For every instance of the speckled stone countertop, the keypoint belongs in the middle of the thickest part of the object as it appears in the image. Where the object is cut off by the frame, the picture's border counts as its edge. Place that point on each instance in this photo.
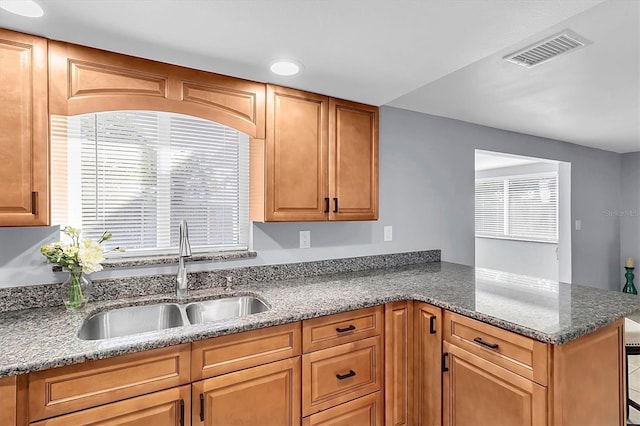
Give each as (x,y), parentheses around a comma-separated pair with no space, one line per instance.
(37,339)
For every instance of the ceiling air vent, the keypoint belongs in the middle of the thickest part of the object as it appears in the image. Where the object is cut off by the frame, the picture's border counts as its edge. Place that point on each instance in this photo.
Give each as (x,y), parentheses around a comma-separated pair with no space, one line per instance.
(547,49)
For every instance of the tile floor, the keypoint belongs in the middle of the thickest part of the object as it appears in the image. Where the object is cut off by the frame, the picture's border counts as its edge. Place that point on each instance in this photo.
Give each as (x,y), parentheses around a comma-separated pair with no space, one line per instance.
(634,386)
(634,380)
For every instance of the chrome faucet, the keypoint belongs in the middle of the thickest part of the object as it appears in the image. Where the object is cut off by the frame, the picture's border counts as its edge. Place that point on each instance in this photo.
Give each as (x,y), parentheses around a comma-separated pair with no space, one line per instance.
(184,251)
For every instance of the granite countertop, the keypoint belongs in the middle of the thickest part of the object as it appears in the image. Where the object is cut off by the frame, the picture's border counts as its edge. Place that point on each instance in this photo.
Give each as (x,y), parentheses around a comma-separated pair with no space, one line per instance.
(37,339)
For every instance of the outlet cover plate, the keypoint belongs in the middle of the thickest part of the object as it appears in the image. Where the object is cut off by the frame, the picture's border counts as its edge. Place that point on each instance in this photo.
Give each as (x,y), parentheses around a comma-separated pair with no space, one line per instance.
(388,233)
(305,239)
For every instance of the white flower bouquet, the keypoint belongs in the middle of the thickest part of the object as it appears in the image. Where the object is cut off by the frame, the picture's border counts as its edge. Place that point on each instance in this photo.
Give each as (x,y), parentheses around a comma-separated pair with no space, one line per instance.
(79,257)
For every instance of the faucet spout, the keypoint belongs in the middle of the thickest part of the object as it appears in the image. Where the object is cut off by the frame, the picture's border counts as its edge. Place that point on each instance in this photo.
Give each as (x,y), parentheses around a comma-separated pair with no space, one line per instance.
(183,252)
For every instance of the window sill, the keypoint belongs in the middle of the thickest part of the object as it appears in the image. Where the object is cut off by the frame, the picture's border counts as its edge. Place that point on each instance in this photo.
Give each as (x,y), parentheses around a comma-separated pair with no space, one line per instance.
(172,259)
(524,240)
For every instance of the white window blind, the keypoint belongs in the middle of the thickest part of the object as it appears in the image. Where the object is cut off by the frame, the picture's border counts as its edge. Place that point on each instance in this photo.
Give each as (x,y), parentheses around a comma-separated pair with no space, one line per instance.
(518,207)
(137,173)
(490,208)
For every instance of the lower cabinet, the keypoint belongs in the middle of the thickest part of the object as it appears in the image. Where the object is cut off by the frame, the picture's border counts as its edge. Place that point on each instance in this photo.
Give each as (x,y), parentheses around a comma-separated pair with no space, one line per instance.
(165,408)
(493,376)
(365,411)
(264,395)
(343,368)
(478,392)
(74,388)
(405,363)
(399,371)
(13,407)
(427,373)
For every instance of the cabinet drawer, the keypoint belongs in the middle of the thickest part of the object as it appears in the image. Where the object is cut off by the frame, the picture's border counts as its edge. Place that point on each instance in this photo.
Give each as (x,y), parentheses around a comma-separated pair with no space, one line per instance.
(342,373)
(225,354)
(75,387)
(364,411)
(332,330)
(520,354)
(164,408)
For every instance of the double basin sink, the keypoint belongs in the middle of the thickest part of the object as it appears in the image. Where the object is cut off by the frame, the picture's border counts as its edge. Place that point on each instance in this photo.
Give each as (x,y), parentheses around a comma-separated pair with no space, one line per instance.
(141,319)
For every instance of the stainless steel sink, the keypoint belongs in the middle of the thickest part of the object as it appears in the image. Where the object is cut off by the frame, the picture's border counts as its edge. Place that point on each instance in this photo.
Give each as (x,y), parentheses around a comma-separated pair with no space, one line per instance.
(225,308)
(132,320)
(140,319)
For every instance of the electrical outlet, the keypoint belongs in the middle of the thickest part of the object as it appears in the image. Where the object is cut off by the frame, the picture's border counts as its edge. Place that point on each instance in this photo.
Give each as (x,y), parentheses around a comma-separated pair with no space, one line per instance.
(578,224)
(305,239)
(388,233)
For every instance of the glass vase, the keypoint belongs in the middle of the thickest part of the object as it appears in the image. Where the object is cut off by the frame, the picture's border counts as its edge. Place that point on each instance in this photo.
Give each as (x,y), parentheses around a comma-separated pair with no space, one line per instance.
(76,290)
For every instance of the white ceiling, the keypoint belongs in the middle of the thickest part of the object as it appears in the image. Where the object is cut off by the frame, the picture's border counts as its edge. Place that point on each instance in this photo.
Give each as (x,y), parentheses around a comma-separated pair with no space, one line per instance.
(441,57)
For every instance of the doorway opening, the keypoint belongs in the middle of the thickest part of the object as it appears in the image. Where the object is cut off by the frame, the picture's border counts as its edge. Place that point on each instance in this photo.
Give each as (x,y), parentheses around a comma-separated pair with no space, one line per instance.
(523,215)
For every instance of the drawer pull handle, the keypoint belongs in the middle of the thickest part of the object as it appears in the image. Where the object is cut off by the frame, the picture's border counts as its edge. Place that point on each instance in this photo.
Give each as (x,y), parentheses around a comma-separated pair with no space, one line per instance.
(34,203)
(486,344)
(432,325)
(326,205)
(202,407)
(335,208)
(344,330)
(351,373)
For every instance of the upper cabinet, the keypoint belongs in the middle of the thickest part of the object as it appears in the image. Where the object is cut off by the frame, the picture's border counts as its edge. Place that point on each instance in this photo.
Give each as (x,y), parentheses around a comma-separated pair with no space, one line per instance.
(85,80)
(24,123)
(319,160)
(353,160)
(313,158)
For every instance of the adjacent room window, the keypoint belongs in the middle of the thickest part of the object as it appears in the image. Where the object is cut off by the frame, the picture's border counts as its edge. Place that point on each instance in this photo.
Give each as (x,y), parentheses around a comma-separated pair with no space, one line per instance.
(518,207)
(137,173)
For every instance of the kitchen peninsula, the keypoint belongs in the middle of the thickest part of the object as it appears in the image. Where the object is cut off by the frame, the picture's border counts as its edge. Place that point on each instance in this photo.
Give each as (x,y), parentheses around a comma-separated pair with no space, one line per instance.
(533,334)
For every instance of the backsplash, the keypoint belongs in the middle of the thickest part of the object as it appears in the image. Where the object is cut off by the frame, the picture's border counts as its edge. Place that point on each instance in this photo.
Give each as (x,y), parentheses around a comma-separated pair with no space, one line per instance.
(38,296)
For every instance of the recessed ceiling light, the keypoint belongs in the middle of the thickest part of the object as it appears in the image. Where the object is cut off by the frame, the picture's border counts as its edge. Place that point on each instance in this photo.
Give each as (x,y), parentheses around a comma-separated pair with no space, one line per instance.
(27,8)
(285,67)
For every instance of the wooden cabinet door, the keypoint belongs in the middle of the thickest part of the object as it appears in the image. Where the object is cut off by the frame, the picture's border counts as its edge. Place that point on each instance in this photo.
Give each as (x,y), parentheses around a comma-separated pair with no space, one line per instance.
(165,408)
(13,405)
(364,411)
(265,395)
(427,368)
(478,392)
(353,161)
(296,155)
(24,122)
(398,363)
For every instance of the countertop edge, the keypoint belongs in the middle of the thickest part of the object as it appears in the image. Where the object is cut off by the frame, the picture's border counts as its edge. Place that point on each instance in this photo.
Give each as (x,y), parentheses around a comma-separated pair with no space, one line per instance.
(152,340)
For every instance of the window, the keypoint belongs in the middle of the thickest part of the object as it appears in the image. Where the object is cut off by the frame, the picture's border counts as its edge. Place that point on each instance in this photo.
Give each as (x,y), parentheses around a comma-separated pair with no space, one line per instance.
(518,207)
(137,173)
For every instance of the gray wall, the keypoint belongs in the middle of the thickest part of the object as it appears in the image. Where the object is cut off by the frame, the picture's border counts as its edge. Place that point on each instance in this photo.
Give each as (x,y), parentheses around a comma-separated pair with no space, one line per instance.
(630,210)
(446,150)
(426,194)
(520,257)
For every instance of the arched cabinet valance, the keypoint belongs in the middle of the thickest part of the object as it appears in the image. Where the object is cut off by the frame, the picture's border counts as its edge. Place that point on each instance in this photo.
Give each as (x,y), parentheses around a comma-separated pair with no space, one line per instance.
(84,80)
